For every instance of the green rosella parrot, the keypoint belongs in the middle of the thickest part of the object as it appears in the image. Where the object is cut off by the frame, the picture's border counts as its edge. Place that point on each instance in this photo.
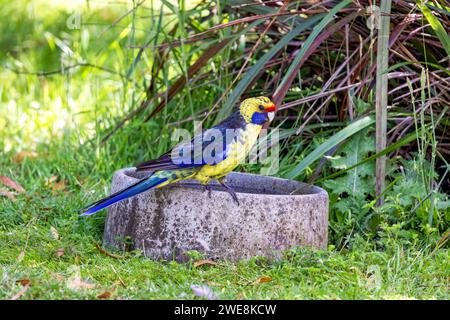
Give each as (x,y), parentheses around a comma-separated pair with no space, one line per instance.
(179,164)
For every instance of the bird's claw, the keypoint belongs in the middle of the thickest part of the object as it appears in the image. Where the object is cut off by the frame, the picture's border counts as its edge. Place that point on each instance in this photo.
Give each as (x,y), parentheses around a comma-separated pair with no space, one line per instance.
(208,187)
(234,196)
(230,191)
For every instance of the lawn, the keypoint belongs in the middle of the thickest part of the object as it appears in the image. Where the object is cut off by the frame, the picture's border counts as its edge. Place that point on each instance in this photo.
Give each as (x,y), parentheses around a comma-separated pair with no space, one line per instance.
(53,122)
(44,242)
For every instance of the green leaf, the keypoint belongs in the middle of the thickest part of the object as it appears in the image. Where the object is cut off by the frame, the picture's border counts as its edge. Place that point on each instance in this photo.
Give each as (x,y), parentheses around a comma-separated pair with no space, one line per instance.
(406,140)
(355,182)
(340,136)
(360,145)
(437,27)
(421,63)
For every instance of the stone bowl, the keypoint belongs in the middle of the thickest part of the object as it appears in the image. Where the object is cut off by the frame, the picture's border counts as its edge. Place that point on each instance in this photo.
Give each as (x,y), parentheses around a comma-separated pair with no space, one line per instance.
(273,215)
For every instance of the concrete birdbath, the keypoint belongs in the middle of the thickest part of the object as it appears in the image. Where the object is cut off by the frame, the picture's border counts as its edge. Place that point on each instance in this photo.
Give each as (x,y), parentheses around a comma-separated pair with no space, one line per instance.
(273,214)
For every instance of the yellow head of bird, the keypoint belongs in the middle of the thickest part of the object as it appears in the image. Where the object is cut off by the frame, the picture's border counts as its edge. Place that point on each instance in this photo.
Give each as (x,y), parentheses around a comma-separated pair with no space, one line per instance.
(257,110)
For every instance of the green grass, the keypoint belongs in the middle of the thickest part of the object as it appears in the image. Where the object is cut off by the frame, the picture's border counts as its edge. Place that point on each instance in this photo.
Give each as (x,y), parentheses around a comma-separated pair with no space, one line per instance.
(364,272)
(303,274)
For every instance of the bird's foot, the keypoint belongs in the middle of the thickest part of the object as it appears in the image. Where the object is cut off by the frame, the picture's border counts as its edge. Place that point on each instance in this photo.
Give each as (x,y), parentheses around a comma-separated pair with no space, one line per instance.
(229,190)
(208,187)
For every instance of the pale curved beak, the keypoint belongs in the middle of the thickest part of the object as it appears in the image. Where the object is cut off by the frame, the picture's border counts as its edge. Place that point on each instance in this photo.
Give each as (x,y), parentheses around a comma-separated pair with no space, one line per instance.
(271,115)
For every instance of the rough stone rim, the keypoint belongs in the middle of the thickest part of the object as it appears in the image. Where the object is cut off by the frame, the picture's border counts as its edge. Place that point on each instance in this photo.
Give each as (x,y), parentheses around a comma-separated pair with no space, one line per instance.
(313,191)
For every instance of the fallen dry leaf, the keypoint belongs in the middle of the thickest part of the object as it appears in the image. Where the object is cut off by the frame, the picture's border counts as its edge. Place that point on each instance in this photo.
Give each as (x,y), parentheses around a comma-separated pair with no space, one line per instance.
(61,185)
(203,262)
(54,233)
(19,157)
(8,194)
(55,186)
(50,181)
(105,295)
(11,184)
(240,296)
(59,277)
(24,282)
(263,279)
(60,252)
(77,284)
(21,256)
(21,292)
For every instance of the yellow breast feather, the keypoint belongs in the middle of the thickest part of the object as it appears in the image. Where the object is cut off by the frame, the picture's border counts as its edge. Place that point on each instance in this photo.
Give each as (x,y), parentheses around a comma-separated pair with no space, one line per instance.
(236,154)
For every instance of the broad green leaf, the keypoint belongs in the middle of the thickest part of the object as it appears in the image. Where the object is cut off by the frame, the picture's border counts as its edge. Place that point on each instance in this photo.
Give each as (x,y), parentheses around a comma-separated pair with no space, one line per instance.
(397,145)
(330,143)
(360,145)
(356,182)
(410,187)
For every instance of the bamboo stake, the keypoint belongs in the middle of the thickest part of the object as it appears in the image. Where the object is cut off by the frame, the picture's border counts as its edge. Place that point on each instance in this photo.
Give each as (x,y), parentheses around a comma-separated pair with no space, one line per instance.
(381,96)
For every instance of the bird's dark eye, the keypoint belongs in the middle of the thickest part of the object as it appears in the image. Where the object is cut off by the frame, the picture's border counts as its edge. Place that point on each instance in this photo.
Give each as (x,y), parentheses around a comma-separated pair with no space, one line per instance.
(261,107)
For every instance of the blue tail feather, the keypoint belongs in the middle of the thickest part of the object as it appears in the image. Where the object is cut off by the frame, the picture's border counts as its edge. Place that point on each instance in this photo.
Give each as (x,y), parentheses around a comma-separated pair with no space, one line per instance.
(139,187)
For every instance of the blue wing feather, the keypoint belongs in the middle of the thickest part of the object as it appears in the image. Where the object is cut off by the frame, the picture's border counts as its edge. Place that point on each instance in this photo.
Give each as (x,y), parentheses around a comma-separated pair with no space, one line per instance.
(184,156)
(139,187)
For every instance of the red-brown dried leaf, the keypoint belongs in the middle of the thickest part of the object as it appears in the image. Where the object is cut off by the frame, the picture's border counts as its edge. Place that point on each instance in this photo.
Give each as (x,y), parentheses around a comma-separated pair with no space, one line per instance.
(105,295)
(24,282)
(11,184)
(264,279)
(60,185)
(54,185)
